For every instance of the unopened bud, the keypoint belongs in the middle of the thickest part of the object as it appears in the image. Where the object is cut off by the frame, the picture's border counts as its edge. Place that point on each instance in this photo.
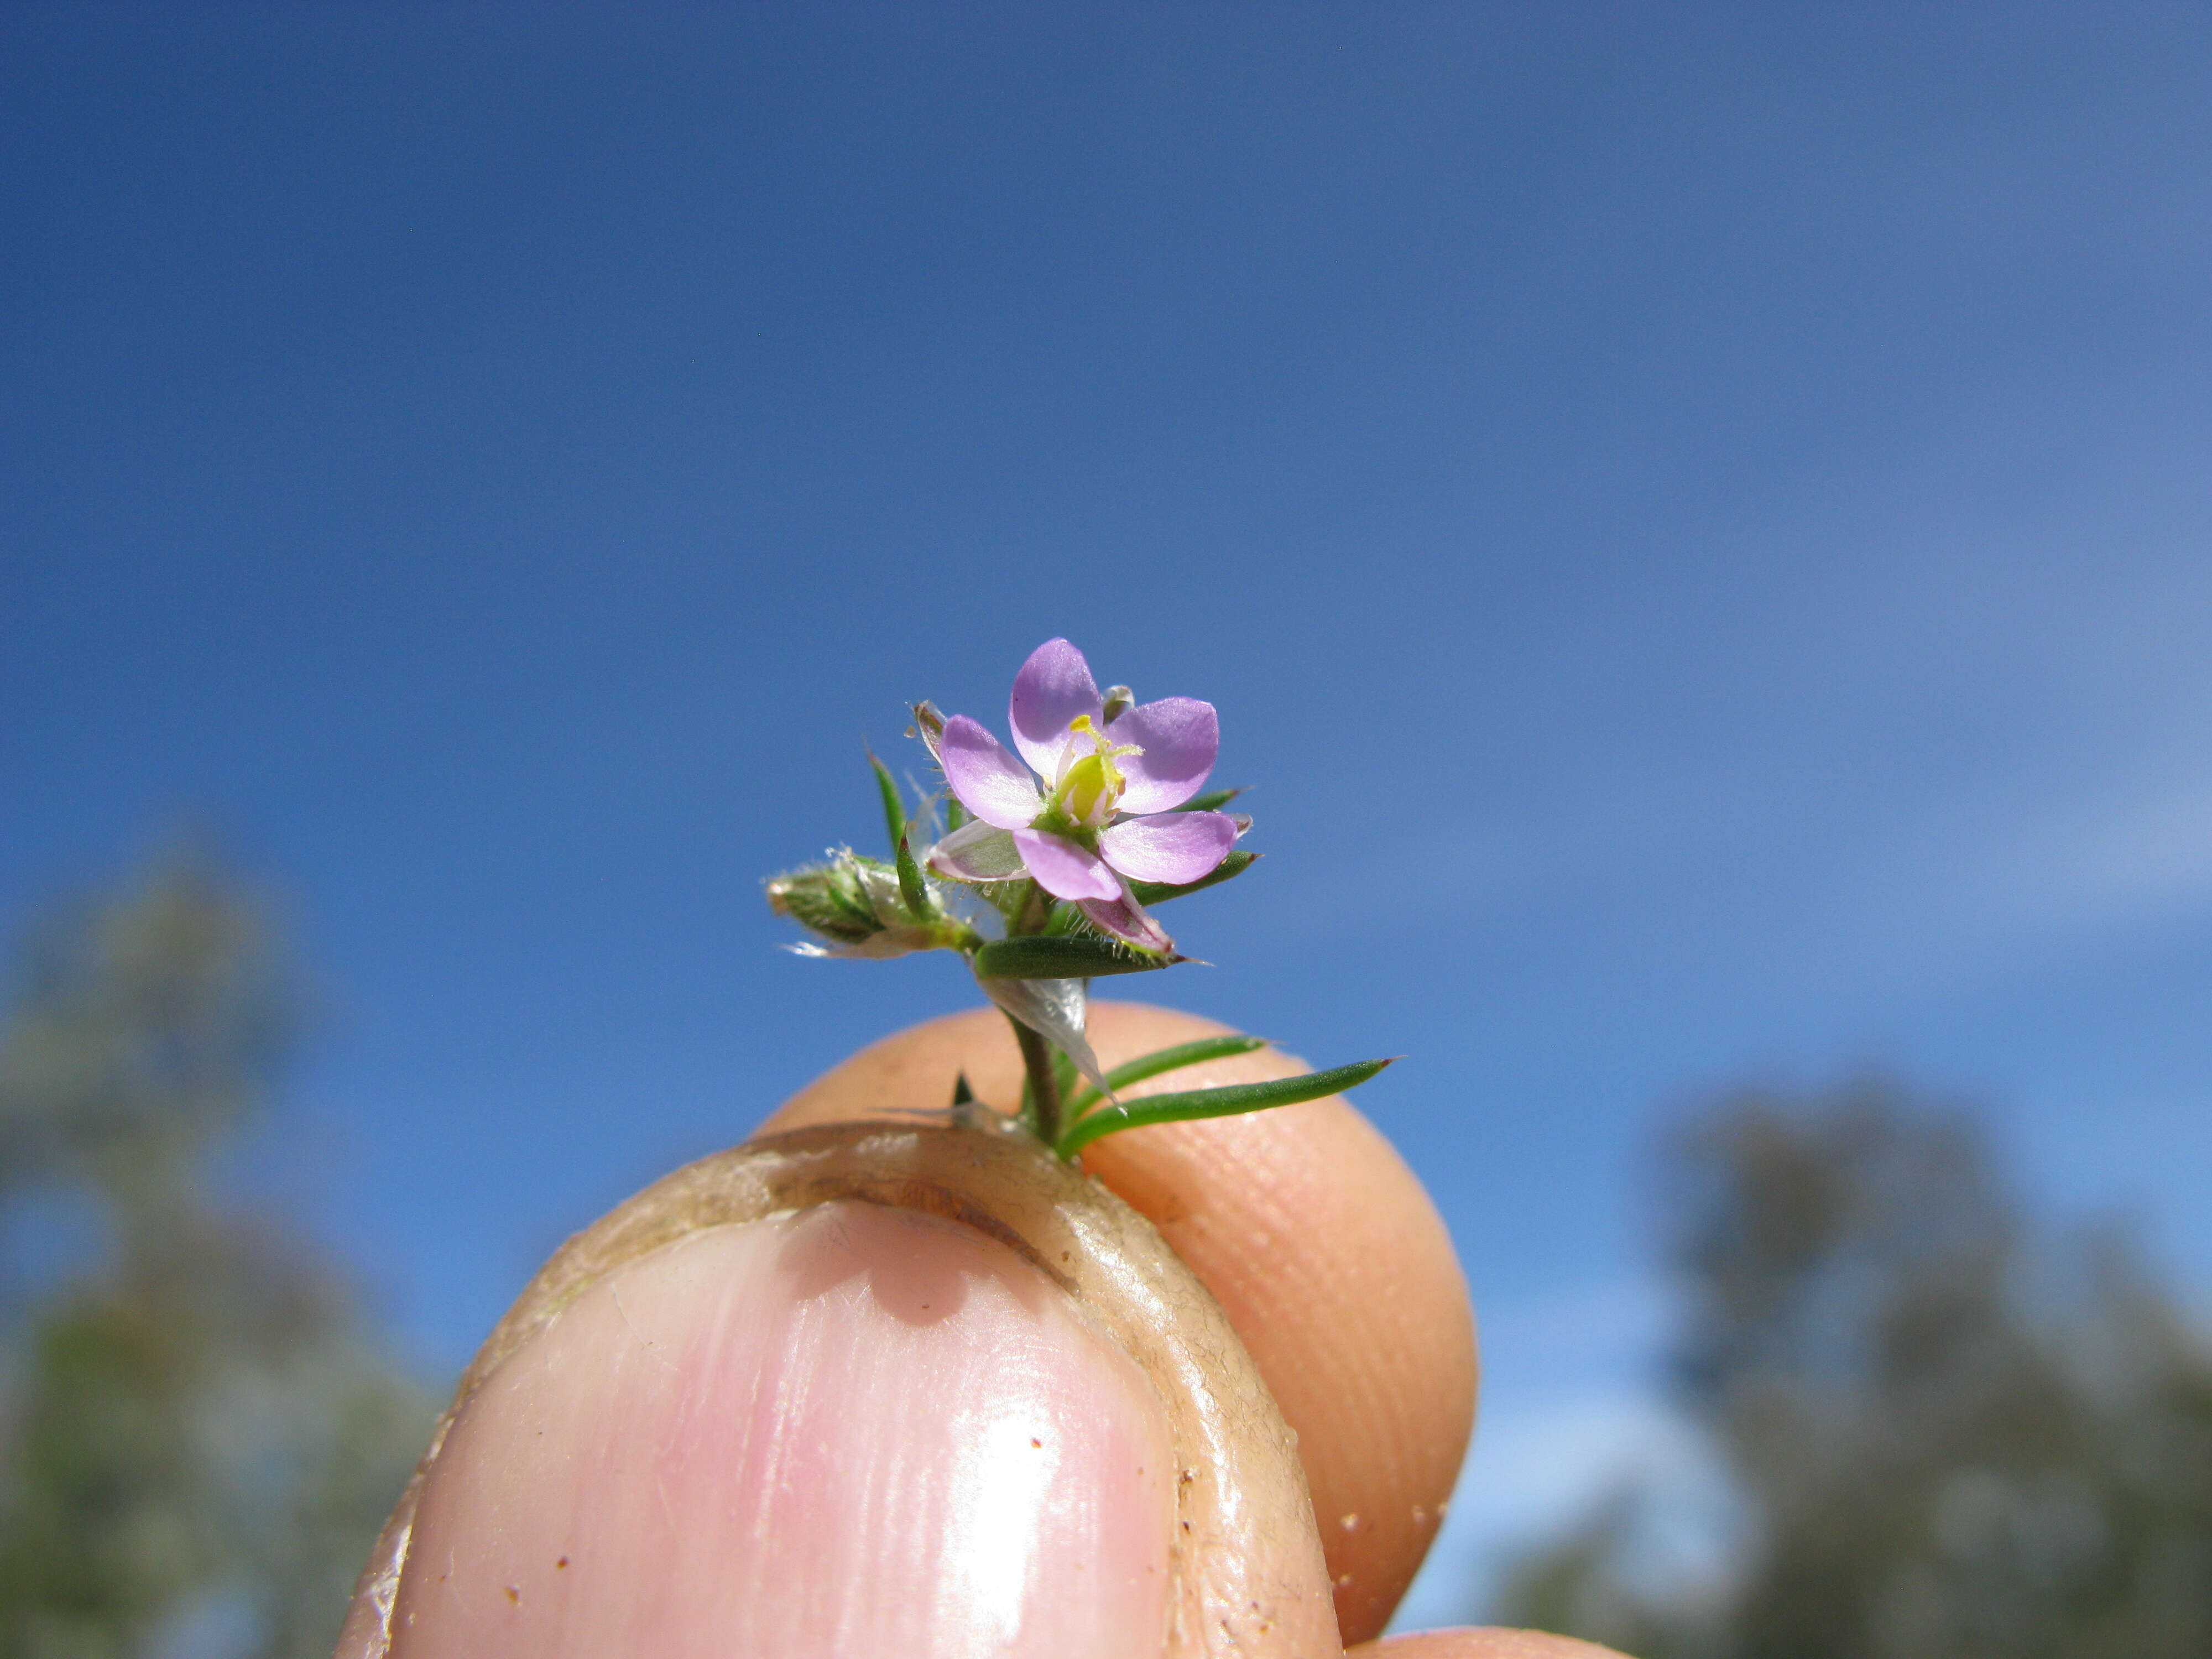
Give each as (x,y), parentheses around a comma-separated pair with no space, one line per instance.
(829,899)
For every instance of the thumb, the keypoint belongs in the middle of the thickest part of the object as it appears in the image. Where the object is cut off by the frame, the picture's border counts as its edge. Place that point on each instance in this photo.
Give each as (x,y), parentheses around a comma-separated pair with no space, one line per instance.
(855,1430)
(852,1427)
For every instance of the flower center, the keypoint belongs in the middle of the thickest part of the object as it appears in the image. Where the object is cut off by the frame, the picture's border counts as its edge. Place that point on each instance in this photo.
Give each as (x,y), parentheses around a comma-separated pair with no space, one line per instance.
(1090,785)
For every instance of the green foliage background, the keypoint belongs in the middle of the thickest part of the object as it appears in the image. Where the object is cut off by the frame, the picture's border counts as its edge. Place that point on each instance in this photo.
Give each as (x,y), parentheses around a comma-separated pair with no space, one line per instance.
(1949,1436)
(204,1427)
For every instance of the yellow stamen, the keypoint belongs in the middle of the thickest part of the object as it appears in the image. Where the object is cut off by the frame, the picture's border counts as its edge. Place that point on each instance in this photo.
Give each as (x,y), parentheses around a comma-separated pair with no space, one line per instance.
(1090,786)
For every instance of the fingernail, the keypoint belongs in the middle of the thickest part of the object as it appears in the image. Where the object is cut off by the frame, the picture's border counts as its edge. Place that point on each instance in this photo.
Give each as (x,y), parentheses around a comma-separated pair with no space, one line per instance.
(849,1430)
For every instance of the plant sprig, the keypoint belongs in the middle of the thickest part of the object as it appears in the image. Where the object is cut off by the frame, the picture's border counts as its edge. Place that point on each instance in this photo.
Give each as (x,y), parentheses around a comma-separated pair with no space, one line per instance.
(1044,880)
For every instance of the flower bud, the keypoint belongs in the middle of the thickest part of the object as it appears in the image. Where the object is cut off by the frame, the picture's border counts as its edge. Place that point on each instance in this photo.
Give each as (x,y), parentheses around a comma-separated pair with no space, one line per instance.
(830,899)
(856,904)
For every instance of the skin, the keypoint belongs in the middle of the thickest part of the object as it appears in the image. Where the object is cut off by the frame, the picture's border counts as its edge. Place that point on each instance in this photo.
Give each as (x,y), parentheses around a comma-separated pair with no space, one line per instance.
(1323,1252)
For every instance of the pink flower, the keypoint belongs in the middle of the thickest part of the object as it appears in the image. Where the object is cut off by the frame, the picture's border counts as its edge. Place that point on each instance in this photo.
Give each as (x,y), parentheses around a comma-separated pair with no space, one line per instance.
(1103,818)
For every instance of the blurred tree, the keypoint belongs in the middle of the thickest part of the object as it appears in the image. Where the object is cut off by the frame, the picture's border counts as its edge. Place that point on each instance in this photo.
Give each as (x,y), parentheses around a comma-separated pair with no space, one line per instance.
(203,1431)
(1947,1440)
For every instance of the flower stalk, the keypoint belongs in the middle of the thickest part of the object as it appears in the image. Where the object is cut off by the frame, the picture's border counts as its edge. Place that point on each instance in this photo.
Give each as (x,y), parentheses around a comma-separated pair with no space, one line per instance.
(1041,1111)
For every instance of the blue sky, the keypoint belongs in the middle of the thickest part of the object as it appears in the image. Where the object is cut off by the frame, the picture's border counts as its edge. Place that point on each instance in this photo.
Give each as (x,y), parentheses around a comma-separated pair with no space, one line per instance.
(1697,523)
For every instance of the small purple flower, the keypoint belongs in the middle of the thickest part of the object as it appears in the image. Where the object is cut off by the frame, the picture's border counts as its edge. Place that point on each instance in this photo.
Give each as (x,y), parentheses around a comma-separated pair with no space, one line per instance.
(1103,818)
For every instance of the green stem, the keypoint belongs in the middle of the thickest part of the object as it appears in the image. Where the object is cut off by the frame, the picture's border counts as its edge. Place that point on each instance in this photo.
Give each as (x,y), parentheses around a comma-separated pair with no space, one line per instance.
(1034,912)
(1029,917)
(1045,1087)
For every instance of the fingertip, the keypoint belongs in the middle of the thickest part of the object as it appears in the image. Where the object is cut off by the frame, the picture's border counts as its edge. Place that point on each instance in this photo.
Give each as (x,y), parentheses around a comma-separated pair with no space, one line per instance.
(1336,1269)
(1318,1241)
(1483,1644)
(780,1437)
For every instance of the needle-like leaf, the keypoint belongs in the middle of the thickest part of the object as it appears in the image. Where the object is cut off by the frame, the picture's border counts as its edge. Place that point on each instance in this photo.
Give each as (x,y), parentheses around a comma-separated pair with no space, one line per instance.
(1075,955)
(1212,1102)
(1212,801)
(1157,892)
(1167,1060)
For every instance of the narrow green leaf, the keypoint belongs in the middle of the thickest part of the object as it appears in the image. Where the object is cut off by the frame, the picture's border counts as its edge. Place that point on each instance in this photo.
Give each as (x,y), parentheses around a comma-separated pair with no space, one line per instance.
(912,888)
(1212,1103)
(894,809)
(1212,801)
(1155,892)
(961,1094)
(1039,956)
(1167,1060)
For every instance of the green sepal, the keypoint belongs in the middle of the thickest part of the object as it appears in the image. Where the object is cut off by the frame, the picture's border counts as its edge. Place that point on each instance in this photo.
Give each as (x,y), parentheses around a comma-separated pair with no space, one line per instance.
(1062,921)
(1074,955)
(1158,892)
(1166,1059)
(1212,801)
(894,809)
(1021,901)
(912,888)
(1212,1102)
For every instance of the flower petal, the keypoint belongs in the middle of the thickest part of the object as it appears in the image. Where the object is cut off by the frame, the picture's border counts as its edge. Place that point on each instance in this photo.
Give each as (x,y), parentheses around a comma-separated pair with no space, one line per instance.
(1181,738)
(990,782)
(1063,869)
(979,852)
(1054,686)
(1124,919)
(1169,846)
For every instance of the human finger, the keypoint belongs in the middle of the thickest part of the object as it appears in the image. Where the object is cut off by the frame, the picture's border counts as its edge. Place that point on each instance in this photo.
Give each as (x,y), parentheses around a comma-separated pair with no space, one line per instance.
(1480,1644)
(916,1391)
(1329,1258)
